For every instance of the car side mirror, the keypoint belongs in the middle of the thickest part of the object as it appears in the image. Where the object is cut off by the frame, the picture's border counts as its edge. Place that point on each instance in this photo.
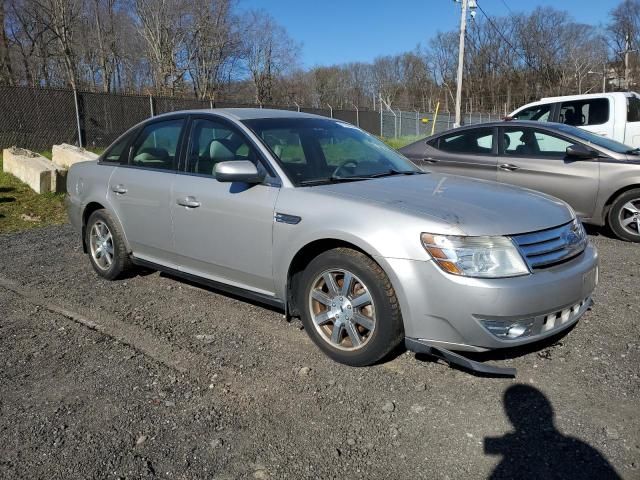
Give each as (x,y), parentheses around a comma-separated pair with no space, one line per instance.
(238,171)
(580,152)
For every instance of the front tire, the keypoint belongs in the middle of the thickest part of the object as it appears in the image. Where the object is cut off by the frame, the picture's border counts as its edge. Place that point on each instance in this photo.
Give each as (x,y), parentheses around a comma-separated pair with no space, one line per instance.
(349,307)
(624,216)
(106,246)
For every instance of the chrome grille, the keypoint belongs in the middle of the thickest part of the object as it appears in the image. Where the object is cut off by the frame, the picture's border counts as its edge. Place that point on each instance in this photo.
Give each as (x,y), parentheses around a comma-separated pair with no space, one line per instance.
(549,247)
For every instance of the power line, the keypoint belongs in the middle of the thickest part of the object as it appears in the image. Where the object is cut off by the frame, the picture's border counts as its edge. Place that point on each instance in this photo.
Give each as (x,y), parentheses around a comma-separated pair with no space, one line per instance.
(508,7)
(515,50)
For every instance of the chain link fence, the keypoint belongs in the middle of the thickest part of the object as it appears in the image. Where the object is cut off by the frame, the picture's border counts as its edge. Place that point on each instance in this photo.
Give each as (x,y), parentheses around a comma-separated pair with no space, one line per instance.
(37,118)
(398,123)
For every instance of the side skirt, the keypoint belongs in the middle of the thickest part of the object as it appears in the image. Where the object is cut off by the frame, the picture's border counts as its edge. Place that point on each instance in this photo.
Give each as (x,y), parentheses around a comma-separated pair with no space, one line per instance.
(223,287)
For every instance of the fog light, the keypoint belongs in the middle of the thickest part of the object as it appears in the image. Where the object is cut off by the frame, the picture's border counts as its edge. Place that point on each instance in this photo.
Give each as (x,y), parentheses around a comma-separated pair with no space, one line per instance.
(509,329)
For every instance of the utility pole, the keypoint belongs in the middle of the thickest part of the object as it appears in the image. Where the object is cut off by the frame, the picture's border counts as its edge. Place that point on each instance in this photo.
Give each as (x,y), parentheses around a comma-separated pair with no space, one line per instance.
(627,50)
(471,4)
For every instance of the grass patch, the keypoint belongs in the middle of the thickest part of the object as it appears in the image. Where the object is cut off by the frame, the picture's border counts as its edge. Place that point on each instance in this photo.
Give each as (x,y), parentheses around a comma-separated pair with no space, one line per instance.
(21,208)
(400,142)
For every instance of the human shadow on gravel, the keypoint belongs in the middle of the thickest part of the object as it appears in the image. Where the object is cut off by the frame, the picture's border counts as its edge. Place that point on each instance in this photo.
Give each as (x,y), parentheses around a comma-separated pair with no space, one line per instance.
(536,449)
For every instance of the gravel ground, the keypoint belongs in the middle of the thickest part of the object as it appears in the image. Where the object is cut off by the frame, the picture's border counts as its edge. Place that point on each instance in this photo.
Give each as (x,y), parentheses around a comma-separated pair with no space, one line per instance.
(152,377)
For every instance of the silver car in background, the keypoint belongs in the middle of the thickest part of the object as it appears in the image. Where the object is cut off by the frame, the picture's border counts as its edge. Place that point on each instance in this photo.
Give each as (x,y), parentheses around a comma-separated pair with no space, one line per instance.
(597,176)
(321,219)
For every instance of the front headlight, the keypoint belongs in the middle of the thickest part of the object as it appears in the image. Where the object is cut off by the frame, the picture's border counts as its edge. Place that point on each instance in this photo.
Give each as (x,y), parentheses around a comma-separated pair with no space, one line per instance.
(487,257)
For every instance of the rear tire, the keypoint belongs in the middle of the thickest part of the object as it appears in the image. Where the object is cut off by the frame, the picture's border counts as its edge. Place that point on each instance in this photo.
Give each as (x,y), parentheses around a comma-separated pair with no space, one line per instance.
(349,307)
(624,216)
(106,246)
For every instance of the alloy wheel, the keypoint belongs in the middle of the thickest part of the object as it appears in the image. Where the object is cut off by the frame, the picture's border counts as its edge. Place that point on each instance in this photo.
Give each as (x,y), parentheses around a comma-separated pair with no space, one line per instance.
(342,309)
(101,245)
(629,217)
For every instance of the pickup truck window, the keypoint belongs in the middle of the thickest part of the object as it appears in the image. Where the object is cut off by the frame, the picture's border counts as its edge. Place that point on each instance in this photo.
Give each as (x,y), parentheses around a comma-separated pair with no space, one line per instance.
(539,113)
(594,111)
(633,109)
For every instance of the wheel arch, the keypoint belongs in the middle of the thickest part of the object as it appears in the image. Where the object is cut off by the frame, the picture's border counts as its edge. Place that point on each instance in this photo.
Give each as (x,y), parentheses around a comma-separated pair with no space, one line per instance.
(612,198)
(91,207)
(308,252)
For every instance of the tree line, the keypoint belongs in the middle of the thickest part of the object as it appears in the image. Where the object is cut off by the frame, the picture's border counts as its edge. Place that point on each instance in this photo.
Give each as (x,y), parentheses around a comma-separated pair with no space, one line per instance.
(215,50)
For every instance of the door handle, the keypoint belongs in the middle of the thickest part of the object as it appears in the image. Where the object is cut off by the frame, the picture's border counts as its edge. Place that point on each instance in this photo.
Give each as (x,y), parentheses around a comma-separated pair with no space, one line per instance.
(189,202)
(508,167)
(119,189)
(430,160)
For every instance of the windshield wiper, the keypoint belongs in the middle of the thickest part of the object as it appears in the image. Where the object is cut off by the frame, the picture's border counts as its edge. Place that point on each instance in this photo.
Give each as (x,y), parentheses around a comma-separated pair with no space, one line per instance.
(634,151)
(356,178)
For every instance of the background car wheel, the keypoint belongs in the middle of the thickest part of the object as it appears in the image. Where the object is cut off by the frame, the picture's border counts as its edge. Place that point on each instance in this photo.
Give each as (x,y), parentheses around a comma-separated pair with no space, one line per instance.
(106,246)
(349,308)
(624,216)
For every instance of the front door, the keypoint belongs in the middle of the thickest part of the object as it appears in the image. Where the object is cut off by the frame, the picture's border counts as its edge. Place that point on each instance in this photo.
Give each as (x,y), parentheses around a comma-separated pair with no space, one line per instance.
(536,159)
(140,190)
(223,231)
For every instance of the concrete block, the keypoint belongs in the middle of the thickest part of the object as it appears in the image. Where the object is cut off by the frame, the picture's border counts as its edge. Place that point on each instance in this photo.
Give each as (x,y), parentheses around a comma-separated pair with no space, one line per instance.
(35,170)
(65,155)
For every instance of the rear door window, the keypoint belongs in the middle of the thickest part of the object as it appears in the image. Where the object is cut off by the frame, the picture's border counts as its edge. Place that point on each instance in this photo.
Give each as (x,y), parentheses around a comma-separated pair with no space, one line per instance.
(633,109)
(474,142)
(578,113)
(157,145)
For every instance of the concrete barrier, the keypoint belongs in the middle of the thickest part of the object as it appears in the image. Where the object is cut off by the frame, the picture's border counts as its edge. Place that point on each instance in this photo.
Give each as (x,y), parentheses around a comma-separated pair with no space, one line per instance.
(35,170)
(65,155)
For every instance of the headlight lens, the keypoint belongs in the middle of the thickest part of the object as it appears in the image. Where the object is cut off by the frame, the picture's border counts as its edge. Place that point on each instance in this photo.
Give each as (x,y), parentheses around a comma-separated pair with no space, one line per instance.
(486,257)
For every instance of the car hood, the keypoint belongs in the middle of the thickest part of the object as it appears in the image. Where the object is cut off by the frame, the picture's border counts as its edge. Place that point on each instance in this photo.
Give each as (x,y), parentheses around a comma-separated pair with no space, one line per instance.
(472,206)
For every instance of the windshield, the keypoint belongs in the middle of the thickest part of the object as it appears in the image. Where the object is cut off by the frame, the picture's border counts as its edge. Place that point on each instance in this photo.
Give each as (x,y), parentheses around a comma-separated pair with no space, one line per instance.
(316,151)
(596,140)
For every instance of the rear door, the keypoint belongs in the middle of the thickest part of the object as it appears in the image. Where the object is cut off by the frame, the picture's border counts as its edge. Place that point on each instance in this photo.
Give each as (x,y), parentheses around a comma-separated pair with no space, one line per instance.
(536,159)
(140,190)
(593,114)
(469,152)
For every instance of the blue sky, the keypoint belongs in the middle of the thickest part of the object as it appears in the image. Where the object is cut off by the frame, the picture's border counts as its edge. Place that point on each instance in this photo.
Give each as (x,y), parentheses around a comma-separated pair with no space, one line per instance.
(338,31)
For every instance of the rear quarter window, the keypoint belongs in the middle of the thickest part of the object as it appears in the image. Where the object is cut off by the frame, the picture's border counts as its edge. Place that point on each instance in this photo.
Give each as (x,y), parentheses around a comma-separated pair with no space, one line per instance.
(633,109)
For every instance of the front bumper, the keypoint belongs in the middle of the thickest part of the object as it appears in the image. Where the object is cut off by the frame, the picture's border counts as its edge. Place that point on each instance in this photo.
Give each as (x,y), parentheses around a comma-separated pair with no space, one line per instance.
(453,312)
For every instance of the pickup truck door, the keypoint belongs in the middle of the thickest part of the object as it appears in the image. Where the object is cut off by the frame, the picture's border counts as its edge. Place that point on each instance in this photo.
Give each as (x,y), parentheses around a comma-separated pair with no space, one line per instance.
(536,159)
(597,115)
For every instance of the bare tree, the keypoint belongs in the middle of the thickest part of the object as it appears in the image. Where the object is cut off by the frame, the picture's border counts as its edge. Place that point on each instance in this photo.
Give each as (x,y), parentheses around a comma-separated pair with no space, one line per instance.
(268,52)
(211,42)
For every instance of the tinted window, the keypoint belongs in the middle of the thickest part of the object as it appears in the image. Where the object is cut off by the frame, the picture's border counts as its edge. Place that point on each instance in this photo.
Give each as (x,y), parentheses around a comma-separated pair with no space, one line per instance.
(633,109)
(539,113)
(313,151)
(213,142)
(585,112)
(476,141)
(157,145)
(534,143)
(115,153)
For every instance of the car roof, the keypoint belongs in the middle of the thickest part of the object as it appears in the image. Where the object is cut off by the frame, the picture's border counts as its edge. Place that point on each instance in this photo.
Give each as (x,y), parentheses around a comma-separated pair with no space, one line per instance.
(501,123)
(247,113)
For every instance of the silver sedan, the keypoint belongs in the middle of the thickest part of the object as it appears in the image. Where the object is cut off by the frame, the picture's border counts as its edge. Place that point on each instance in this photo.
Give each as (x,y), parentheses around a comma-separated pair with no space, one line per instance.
(321,219)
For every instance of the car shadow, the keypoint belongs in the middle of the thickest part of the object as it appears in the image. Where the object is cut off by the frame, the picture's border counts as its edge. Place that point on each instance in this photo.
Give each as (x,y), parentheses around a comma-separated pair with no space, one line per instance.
(596,231)
(535,449)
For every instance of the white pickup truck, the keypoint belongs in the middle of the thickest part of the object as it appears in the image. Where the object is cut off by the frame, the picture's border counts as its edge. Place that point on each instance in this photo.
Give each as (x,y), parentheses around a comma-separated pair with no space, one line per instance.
(614,115)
